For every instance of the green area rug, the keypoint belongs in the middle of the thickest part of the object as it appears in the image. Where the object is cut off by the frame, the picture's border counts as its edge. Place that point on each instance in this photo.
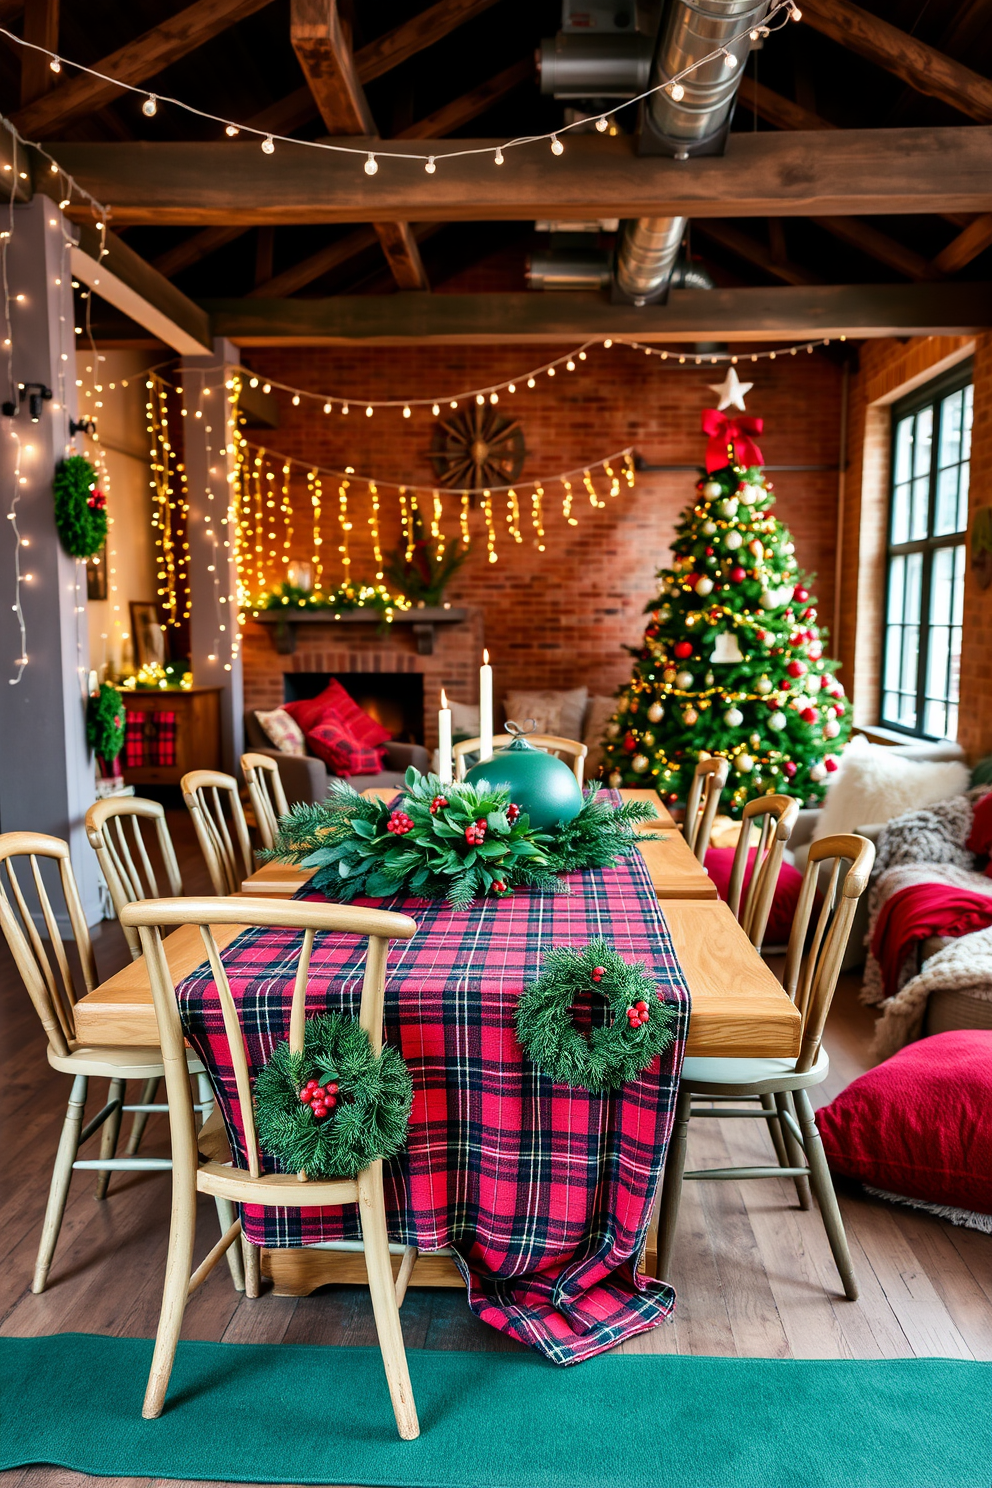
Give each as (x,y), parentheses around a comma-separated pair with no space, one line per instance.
(304,1414)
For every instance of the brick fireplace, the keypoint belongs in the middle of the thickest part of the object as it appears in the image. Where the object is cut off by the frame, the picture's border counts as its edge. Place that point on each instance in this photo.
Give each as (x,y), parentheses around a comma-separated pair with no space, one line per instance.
(334,649)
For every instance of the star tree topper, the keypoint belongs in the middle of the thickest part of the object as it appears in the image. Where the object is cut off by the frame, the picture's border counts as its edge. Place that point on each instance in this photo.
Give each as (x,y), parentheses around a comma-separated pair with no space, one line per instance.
(731,391)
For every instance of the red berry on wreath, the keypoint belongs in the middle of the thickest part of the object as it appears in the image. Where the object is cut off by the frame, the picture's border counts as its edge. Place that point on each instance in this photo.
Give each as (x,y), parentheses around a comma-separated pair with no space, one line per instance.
(438,804)
(683,649)
(598,973)
(306,1096)
(641,1007)
(499,887)
(331,1087)
(512,812)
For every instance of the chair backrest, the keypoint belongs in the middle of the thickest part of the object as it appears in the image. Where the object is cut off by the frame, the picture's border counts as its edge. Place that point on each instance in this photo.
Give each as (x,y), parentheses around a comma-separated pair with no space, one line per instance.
(572,751)
(776,816)
(708,780)
(46,973)
(265,789)
(152,916)
(228,861)
(811,979)
(127,867)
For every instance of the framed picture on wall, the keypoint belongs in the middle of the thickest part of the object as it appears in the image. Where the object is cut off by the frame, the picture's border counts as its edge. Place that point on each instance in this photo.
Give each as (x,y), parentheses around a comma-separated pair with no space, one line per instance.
(147,634)
(96,575)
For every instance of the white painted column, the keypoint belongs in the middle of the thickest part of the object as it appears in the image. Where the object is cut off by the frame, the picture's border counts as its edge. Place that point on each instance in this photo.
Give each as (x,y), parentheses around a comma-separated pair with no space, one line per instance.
(215,653)
(46,770)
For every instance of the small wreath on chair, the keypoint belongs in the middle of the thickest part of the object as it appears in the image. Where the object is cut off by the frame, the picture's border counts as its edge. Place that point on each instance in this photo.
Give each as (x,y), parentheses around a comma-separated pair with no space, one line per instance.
(611,1056)
(80,508)
(338,1106)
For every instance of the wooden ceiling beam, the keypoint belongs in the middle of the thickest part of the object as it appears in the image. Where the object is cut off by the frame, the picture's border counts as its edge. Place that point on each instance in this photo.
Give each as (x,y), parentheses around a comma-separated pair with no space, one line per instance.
(879,245)
(960,251)
(133,63)
(421,31)
(847,172)
(322,43)
(750,314)
(470,105)
(922,66)
(41,28)
(125,280)
(753,252)
(191,250)
(327,259)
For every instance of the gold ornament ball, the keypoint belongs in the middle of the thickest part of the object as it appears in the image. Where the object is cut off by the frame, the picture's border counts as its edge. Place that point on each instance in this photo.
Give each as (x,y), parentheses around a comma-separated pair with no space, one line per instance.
(729,507)
(708,680)
(615,778)
(656,713)
(640,763)
(733,717)
(704,586)
(623,705)
(668,675)
(683,680)
(689,717)
(755,741)
(612,730)
(709,528)
(743,764)
(763,685)
(711,489)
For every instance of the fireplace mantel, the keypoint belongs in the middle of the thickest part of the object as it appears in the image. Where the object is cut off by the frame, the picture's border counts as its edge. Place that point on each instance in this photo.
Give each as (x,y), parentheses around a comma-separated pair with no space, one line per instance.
(285,623)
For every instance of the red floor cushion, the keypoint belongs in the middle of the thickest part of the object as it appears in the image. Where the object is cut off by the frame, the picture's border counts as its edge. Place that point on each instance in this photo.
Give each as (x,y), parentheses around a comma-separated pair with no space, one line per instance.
(920,1124)
(332,741)
(308,712)
(720,861)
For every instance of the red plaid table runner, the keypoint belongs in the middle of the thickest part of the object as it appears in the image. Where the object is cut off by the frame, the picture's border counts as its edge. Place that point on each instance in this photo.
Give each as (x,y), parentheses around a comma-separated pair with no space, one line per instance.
(543,1192)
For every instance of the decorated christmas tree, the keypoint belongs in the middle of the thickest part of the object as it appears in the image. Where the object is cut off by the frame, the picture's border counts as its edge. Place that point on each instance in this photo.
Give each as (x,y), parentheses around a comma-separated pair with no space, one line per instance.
(732,658)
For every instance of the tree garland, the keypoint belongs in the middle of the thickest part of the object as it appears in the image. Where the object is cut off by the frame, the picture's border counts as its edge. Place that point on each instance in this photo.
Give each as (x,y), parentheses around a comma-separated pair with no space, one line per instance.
(451,841)
(611,1056)
(363,1117)
(105,722)
(80,508)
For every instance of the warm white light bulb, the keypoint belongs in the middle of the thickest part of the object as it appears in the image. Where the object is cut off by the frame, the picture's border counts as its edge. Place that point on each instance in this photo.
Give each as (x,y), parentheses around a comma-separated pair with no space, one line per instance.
(511,387)
(268,145)
(677,91)
(327,407)
(371,165)
(494,397)
(797,14)
(480,398)
(231,130)
(557,148)
(498,157)
(344,408)
(602,124)
(406,412)
(436,410)
(150,106)
(55,65)
(296,400)
(369,411)
(729,60)
(453,403)
(430,167)
(531,382)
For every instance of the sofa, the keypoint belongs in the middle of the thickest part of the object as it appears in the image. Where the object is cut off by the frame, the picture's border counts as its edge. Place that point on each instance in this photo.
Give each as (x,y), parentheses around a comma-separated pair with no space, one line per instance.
(307,778)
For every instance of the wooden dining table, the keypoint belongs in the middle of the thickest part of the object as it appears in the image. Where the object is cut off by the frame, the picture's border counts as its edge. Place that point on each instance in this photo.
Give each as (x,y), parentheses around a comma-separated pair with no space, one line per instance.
(739,1010)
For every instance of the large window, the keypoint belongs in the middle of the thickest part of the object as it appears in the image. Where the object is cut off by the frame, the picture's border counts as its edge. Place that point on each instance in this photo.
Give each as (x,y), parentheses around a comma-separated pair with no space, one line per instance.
(931,449)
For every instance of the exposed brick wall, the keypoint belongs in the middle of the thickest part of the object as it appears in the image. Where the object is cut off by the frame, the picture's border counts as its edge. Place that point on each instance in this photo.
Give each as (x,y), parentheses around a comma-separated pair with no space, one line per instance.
(558,618)
(890,369)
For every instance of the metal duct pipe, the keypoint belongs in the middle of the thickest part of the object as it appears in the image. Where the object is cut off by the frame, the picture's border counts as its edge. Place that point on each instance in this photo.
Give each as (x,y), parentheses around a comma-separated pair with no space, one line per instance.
(589,66)
(695,124)
(570,268)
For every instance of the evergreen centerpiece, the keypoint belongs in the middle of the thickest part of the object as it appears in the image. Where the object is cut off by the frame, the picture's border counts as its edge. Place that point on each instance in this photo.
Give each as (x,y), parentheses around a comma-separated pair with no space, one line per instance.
(732,659)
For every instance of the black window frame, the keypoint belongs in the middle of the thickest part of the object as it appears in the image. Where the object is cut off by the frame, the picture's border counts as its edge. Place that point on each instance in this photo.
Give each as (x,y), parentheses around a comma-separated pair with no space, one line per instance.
(932,395)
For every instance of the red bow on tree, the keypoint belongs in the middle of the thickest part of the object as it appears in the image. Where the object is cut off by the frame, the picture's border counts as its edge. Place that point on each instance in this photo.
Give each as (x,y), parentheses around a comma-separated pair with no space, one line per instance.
(97,501)
(731,435)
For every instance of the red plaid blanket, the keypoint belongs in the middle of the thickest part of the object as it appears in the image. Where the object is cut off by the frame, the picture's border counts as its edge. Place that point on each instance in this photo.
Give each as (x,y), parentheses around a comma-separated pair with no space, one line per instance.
(543,1192)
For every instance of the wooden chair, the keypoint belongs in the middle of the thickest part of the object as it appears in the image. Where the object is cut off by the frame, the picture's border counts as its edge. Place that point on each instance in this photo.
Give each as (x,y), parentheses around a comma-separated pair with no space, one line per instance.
(128,868)
(268,799)
(810,982)
(201,1164)
(571,750)
(48,978)
(229,862)
(708,780)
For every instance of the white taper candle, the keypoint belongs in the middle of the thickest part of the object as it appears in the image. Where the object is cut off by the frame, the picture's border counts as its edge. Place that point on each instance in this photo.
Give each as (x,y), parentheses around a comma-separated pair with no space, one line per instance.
(444,768)
(485,708)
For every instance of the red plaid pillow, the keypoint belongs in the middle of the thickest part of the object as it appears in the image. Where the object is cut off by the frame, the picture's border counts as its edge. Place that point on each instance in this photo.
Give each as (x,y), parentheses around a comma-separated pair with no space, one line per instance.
(334,699)
(332,741)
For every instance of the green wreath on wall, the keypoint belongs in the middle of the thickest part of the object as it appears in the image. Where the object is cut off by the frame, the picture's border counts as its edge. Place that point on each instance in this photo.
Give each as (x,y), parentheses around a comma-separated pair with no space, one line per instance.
(105,722)
(80,508)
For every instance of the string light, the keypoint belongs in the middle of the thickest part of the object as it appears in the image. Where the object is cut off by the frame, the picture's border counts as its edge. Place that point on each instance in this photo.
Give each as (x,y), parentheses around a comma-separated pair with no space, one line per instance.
(783,11)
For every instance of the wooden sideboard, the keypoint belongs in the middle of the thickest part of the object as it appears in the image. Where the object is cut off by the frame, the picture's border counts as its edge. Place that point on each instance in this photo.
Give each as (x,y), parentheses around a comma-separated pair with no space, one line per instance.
(197,734)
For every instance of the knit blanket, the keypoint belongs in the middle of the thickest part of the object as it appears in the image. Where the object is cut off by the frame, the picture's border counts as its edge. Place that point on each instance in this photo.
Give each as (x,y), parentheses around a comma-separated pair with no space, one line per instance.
(963,966)
(920,847)
(919,913)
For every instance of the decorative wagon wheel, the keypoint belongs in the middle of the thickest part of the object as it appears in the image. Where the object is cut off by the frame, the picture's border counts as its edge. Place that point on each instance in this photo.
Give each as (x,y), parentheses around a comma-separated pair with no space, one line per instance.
(476,448)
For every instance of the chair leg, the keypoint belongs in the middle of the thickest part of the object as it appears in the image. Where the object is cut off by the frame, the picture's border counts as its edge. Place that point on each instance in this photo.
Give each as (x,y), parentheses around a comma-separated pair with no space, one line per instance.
(178,1268)
(226,1215)
(822,1185)
(671,1192)
(148,1095)
(372,1208)
(796,1155)
(253,1267)
(111,1131)
(204,1097)
(61,1177)
(775,1130)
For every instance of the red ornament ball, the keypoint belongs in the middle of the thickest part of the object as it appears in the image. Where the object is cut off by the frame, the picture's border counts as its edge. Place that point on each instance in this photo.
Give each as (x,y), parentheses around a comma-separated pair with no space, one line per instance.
(831,763)
(683,649)
(789,768)
(808,715)
(800,595)
(629,743)
(797,668)
(737,575)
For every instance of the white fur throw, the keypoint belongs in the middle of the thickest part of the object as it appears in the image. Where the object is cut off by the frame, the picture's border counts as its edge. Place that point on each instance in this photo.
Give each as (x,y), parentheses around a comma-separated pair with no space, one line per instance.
(874,784)
(963,966)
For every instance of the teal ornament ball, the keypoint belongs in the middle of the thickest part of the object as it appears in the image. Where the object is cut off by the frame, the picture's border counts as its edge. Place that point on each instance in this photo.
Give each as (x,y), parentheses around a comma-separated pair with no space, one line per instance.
(541,785)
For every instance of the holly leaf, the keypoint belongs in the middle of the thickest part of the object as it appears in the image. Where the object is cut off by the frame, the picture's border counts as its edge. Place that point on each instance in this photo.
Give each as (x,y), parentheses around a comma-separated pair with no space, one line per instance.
(380,884)
(498,822)
(362,828)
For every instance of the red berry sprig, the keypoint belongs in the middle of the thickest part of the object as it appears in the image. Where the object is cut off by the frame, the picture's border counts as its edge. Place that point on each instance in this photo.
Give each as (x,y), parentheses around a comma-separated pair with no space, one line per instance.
(438,804)
(399,823)
(475,832)
(499,887)
(597,973)
(512,813)
(638,1014)
(320,1098)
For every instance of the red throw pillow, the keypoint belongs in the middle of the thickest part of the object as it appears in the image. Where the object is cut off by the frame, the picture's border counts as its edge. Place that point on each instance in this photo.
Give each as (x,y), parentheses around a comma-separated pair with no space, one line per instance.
(333,742)
(980,837)
(719,862)
(334,699)
(920,1124)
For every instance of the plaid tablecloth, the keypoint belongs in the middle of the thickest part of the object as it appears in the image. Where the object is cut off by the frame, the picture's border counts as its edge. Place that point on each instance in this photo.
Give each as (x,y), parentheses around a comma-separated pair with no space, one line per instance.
(543,1192)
